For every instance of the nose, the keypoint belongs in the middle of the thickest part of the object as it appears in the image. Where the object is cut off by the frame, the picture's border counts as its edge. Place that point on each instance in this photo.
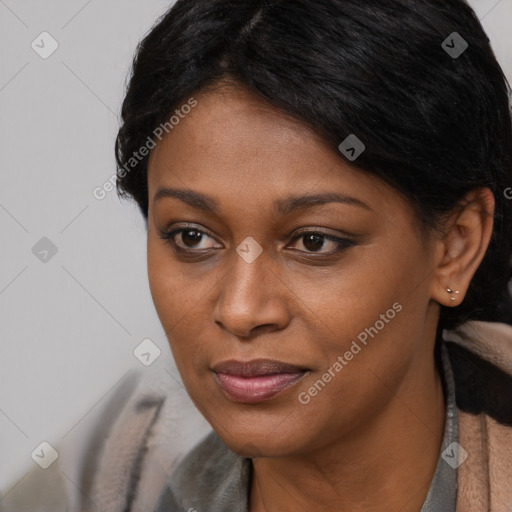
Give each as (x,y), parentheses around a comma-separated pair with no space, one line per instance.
(252,300)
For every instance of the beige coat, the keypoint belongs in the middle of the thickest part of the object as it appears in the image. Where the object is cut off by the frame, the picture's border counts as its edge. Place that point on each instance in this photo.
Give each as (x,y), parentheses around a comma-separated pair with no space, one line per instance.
(485,478)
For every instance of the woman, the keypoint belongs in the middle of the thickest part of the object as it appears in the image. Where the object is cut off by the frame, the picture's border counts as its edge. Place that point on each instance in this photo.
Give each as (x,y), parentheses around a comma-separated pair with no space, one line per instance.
(324,185)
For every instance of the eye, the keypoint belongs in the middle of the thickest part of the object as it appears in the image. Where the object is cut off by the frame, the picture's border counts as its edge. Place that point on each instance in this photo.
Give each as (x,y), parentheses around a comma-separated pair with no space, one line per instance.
(315,241)
(188,239)
(191,239)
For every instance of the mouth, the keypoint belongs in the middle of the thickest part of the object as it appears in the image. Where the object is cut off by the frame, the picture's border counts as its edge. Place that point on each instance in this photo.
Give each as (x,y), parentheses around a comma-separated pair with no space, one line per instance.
(256,381)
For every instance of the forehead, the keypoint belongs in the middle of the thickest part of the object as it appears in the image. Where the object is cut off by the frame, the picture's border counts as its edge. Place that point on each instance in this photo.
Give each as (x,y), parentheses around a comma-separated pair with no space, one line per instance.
(234,146)
(232,126)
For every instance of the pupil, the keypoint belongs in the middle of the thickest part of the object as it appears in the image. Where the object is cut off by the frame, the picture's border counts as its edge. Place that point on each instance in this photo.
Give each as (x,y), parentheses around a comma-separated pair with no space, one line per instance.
(188,236)
(313,242)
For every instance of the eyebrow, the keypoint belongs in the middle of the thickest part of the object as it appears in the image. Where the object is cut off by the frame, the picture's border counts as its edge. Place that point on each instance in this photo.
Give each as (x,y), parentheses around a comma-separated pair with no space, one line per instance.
(283,206)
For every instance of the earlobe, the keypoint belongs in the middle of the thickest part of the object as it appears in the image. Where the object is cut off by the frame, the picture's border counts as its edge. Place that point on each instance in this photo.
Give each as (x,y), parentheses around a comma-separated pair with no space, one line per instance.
(450,291)
(467,235)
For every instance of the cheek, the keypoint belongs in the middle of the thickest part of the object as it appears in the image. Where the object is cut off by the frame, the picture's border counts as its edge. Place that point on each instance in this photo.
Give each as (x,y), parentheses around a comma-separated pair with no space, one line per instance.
(377,310)
(366,285)
(179,297)
(163,284)
(169,283)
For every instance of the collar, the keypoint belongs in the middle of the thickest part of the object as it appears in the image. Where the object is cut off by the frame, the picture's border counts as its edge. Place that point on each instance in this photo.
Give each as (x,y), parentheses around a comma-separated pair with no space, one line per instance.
(442,495)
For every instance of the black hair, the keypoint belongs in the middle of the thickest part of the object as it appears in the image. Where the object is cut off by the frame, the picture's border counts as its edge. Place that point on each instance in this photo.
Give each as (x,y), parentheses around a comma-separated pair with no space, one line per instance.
(435,124)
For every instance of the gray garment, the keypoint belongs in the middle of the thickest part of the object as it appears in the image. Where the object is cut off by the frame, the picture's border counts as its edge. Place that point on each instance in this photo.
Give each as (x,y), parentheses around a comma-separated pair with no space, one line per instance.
(442,495)
(212,478)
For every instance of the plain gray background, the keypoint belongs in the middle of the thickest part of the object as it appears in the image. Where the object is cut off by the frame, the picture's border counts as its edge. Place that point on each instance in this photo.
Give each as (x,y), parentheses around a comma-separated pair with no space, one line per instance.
(69,325)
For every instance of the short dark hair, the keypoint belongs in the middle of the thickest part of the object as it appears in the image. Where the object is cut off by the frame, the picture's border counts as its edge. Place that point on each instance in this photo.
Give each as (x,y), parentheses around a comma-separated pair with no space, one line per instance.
(435,125)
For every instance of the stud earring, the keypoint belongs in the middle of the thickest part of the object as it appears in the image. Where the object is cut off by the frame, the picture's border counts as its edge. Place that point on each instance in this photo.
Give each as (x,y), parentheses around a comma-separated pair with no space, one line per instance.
(449,290)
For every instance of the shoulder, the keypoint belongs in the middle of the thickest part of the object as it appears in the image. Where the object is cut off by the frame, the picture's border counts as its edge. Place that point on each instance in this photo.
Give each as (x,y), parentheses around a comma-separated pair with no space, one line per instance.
(120,456)
(481,358)
(136,452)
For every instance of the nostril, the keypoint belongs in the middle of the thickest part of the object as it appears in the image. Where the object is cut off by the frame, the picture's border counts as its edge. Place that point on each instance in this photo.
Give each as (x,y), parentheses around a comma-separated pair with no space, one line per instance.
(261,329)
(252,332)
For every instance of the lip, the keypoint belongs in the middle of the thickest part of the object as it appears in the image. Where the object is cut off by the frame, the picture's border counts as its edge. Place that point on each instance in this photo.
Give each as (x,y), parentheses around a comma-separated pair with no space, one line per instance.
(257,380)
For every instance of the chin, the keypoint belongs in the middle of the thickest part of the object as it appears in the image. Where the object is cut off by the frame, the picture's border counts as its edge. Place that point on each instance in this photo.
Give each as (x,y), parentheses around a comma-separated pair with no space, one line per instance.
(253,444)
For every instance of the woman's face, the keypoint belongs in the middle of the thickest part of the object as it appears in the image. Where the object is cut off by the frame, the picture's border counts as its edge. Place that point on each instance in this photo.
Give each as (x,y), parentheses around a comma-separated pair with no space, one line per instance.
(287,253)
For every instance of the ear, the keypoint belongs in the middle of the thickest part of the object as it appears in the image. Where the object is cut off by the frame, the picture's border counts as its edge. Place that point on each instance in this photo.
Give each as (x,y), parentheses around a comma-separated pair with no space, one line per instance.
(467,233)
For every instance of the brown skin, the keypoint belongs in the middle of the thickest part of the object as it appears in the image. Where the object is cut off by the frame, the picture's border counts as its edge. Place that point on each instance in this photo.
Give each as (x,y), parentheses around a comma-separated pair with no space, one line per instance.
(370,440)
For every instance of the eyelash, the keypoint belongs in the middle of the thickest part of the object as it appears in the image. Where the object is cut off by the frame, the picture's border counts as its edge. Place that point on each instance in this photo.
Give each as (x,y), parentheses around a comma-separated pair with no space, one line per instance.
(342,243)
